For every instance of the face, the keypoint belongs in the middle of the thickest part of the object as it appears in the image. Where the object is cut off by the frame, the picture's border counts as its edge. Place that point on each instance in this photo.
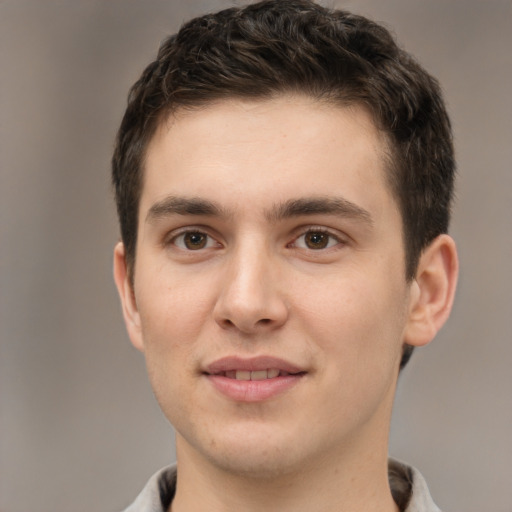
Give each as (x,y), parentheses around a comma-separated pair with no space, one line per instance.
(269,292)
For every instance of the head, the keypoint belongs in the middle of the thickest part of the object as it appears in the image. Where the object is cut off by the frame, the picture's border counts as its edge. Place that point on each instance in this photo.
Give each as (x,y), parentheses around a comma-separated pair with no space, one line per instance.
(277,47)
(283,175)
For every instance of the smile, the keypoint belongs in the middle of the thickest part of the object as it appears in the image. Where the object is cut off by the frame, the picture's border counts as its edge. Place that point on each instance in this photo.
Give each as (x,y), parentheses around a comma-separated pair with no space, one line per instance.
(271,373)
(252,380)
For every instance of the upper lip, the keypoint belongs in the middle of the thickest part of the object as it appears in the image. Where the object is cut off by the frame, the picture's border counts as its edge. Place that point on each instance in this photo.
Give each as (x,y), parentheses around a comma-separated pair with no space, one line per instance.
(251,364)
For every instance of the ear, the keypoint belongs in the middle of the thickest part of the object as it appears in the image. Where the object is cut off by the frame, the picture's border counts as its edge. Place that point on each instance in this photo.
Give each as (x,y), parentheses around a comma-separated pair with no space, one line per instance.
(432,291)
(127,296)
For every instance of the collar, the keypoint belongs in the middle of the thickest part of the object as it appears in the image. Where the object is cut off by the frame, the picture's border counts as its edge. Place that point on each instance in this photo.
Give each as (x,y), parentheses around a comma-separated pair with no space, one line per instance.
(408,487)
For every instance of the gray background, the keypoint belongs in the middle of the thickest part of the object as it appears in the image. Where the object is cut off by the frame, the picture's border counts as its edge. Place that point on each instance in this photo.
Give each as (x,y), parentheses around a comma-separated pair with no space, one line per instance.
(79,428)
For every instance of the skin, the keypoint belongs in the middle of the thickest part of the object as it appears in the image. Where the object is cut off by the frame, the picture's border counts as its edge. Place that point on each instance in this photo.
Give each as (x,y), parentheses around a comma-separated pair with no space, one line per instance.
(323,290)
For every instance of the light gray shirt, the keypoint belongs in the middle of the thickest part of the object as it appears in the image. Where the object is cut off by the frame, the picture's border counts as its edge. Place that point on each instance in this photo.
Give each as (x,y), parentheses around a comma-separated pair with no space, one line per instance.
(408,487)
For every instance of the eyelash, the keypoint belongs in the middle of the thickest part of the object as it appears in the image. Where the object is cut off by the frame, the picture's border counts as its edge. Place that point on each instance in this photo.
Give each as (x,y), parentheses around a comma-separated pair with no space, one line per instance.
(318,231)
(190,231)
(178,240)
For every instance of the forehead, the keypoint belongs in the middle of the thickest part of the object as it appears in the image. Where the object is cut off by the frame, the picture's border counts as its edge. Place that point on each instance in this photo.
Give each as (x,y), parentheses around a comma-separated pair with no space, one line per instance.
(254,152)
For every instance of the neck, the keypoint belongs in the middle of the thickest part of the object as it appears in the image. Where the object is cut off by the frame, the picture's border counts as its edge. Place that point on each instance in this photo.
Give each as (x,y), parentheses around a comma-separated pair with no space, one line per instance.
(349,481)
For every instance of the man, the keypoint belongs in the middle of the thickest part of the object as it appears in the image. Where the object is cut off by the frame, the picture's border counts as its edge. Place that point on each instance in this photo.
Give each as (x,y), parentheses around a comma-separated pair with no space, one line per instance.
(283,178)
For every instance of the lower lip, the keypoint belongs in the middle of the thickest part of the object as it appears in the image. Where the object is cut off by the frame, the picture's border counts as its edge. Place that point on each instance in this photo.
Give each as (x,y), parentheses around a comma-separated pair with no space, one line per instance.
(253,390)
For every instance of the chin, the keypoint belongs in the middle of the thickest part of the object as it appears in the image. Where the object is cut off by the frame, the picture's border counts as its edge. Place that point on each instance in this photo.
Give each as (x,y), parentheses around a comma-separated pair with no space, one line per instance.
(251,453)
(257,463)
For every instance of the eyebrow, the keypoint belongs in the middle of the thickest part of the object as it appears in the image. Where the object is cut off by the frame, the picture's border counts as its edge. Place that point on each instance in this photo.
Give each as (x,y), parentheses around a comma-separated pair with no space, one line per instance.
(320,206)
(196,206)
(172,205)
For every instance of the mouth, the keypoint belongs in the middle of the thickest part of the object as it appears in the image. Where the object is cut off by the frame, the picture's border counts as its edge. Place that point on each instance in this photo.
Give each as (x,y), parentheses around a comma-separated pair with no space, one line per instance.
(252,380)
(270,373)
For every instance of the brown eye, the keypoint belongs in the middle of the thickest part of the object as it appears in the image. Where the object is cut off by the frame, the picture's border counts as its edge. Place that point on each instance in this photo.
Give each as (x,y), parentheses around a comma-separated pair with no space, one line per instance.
(192,240)
(316,240)
(195,240)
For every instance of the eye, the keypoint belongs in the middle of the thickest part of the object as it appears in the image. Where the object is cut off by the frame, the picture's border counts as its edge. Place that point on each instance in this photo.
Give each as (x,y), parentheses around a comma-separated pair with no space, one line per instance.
(193,241)
(316,240)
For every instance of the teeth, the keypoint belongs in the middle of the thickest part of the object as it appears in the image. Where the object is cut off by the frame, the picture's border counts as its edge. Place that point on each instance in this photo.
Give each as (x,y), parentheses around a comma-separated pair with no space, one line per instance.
(259,375)
(272,373)
(256,375)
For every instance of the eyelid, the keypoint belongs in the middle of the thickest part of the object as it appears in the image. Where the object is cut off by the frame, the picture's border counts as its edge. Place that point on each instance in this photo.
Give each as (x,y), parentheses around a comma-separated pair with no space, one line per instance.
(170,238)
(340,238)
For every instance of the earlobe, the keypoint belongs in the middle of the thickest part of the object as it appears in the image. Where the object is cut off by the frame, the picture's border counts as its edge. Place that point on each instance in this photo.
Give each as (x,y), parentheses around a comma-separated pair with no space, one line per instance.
(432,291)
(127,296)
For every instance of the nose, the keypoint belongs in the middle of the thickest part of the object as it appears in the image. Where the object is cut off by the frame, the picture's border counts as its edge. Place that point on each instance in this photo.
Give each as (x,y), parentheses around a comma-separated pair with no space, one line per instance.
(250,298)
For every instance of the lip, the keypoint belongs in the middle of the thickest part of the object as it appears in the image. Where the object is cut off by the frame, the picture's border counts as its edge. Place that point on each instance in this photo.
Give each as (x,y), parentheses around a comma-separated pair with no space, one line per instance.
(252,390)
(252,364)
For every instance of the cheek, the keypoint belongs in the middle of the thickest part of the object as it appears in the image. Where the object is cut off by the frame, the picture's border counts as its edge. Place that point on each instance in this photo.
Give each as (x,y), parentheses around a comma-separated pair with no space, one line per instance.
(356,338)
(357,320)
(169,330)
(172,318)
(171,307)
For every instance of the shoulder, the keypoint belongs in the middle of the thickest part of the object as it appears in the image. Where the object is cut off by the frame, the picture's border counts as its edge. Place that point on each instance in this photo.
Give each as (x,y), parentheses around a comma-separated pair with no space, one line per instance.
(409,489)
(157,493)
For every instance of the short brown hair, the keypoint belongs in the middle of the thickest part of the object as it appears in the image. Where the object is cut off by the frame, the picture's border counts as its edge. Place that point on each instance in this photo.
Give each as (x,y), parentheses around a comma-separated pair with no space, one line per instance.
(296,46)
